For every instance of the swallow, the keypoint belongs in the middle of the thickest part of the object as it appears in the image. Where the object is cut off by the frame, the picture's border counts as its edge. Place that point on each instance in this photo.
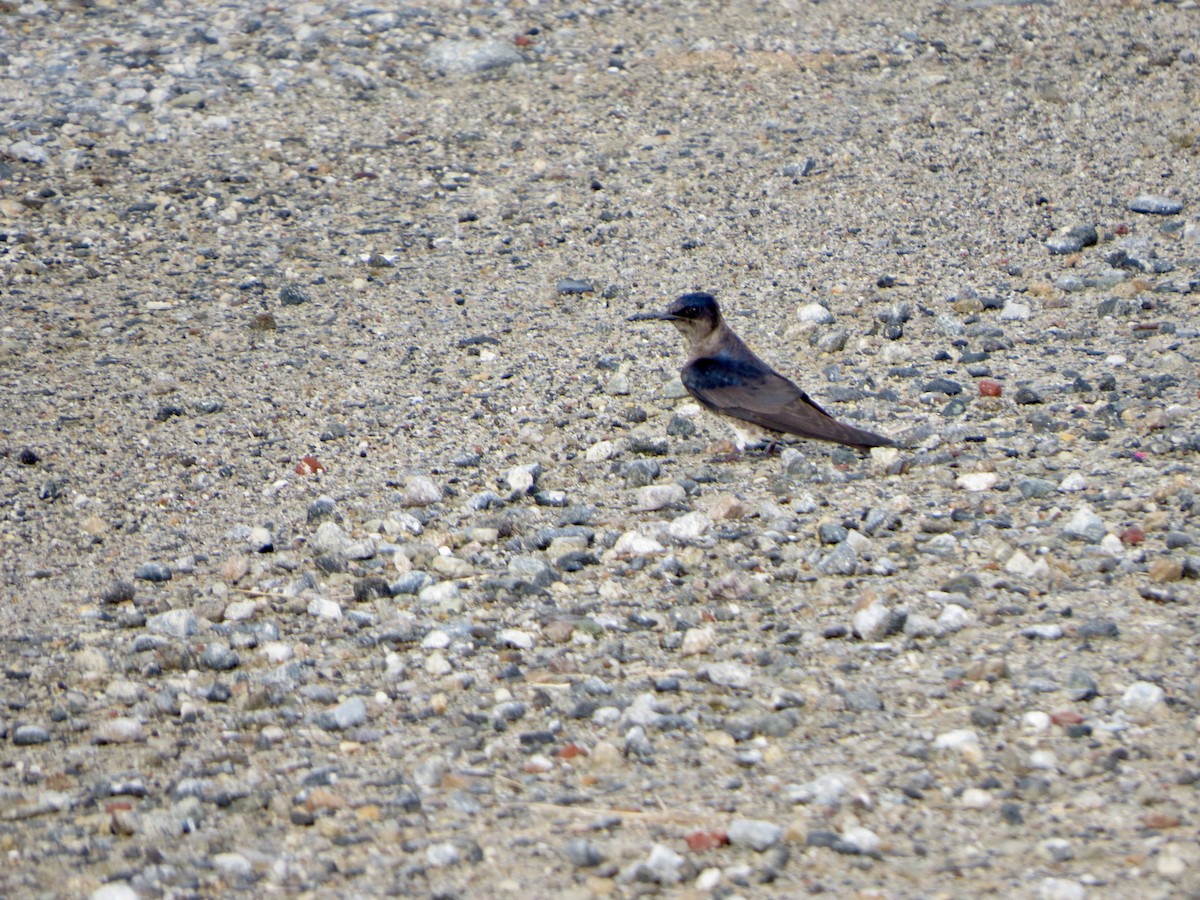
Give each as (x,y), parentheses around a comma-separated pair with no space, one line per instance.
(728,379)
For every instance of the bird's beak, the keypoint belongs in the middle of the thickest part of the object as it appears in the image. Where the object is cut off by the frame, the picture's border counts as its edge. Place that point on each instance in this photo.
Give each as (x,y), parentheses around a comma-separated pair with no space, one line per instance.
(653,317)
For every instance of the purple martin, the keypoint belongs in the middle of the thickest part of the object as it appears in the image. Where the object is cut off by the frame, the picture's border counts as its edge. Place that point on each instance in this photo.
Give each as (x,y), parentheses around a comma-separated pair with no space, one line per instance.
(728,379)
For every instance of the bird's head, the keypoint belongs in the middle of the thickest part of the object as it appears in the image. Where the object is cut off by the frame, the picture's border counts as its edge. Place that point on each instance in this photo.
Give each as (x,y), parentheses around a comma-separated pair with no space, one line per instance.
(695,315)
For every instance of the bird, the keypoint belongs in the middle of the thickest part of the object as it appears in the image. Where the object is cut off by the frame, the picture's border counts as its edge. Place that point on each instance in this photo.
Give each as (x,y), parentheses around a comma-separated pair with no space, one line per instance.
(728,379)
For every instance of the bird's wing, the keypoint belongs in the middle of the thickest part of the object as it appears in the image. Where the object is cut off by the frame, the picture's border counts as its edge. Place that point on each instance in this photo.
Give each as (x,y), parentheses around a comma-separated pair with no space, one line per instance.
(752,391)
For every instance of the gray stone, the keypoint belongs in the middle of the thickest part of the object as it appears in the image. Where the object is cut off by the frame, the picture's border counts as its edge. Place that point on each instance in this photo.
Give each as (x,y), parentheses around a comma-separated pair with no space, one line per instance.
(177,623)
(1155,205)
(842,560)
(754,833)
(582,853)
(349,713)
(219,657)
(152,571)
(470,57)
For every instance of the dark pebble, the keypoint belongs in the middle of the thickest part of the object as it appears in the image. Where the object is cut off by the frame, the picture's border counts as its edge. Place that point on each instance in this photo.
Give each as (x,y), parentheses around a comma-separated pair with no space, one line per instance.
(574,286)
(218,657)
(292,295)
(369,588)
(152,571)
(28,735)
(640,472)
(321,509)
(329,563)
(582,853)
(681,426)
(1081,686)
(28,458)
(863,700)
(576,560)
(1011,814)
(1026,396)
(983,717)
(830,533)
(167,411)
(120,591)
(942,386)
(1099,628)
(51,490)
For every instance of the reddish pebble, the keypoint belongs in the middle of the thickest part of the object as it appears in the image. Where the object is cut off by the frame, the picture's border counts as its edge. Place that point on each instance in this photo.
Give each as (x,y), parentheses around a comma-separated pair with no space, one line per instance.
(989,388)
(699,841)
(1132,536)
(309,465)
(570,751)
(1066,717)
(1121,229)
(1159,820)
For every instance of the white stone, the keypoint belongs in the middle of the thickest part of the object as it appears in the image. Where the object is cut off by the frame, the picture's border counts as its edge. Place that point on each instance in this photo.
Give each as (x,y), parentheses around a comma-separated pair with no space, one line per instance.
(1073,483)
(977,481)
(1015,312)
(436,640)
(442,592)
(708,880)
(955,618)
(437,665)
(659,496)
(1035,721)
(232,864)
(698,640)
(240,610)
(515,638)
(114,890)
(958,740)
(121,730)
(330,538)
(1142,696)
(634,543)
(729,674)
(420,490)
(521,479)
(814,314)
(324,608)
(601,451)
(689,527)
(1060,889)
(871,623)
(976,798)
(1022,565)
(1043,759)
(277,652)
(864,839)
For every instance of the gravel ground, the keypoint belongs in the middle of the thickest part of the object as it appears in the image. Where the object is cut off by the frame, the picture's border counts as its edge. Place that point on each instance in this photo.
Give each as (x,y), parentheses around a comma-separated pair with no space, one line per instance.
(354,544)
